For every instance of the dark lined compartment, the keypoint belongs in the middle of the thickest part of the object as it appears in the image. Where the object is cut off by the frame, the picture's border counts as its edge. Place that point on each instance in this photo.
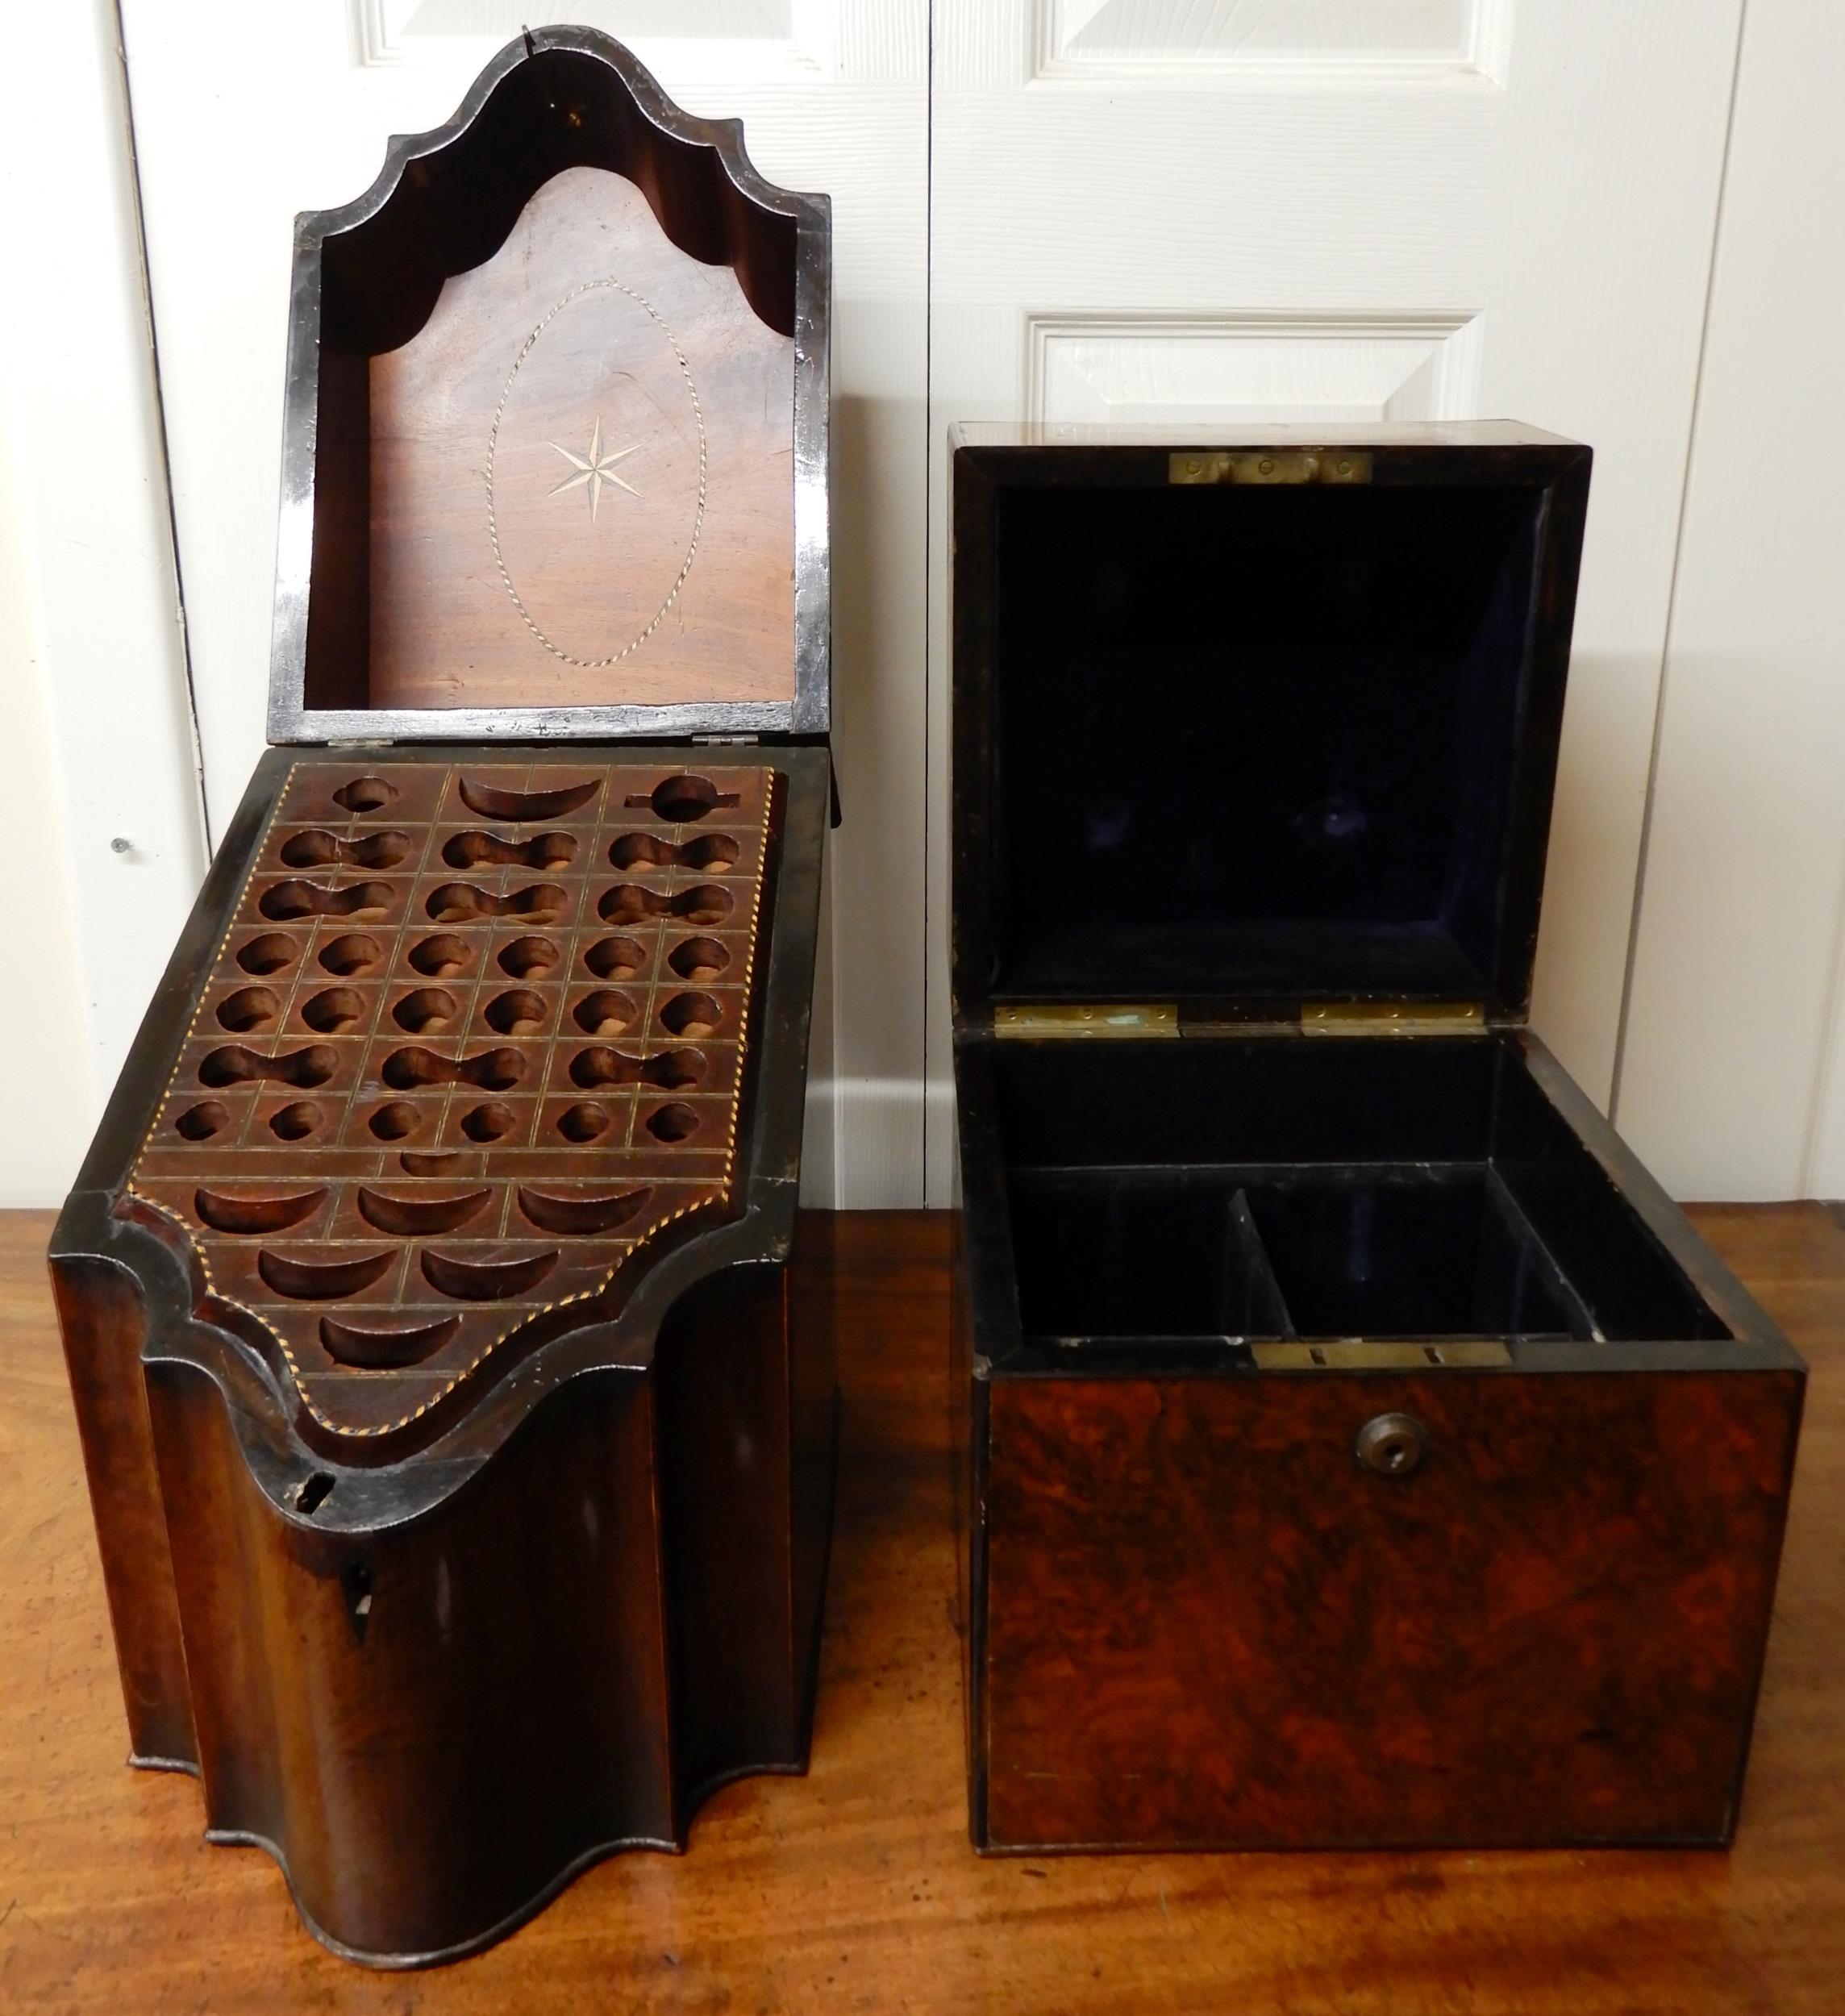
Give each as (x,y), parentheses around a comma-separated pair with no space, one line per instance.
(1261,740)
(1277,1188)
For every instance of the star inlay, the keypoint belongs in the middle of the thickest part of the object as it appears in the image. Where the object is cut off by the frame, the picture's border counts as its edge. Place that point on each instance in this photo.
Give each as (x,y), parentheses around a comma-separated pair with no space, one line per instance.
(595,469)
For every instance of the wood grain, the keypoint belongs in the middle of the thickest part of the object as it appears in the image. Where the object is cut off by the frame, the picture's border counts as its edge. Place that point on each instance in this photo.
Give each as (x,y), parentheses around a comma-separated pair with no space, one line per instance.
(599,365)
(854,1888)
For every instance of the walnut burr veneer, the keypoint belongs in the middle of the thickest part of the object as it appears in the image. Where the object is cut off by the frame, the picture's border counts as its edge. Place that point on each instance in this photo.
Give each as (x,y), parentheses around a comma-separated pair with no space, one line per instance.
(1359,1449)
(453,1366)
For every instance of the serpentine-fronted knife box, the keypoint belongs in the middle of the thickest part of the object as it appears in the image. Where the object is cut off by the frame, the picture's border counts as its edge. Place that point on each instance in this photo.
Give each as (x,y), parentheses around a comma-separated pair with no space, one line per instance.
(1360,1448)
(453,1372)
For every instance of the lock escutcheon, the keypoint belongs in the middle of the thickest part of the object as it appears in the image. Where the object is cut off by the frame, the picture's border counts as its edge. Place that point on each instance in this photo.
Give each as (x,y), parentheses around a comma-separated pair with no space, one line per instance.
(1391,1444)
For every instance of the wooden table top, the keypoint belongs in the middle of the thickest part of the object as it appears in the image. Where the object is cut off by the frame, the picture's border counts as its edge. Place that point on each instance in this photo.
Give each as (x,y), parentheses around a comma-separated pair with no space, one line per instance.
(854,1888)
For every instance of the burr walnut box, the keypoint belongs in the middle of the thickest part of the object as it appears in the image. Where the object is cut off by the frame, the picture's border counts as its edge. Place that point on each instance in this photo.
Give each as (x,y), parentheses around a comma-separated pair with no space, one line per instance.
(1360,1448)
(452,1365)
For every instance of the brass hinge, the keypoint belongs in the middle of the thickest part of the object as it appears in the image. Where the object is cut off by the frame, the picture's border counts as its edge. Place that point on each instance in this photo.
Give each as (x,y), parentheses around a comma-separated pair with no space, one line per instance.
(1268,465)
(1393,1019)
(1085,1018)
(1352,1353)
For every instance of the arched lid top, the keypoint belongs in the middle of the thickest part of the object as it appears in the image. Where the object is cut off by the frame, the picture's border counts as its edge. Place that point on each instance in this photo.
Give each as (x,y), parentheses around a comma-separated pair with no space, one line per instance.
(555,458)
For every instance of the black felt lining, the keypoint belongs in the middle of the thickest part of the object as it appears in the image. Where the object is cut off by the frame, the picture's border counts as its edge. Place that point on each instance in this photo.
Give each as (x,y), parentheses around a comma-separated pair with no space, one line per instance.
(1257,741)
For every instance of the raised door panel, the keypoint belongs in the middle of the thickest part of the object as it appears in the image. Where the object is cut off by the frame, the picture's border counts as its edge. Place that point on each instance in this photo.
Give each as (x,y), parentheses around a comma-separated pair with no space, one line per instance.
(1148,213)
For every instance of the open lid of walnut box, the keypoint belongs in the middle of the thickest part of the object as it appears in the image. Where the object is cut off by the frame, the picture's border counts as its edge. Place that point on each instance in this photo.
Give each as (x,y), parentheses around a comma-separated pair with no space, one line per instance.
(1248,724)
(555,452)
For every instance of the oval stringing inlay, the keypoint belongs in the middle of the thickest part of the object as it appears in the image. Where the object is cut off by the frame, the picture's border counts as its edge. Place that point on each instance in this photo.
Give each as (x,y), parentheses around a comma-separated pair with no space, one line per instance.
(592,471)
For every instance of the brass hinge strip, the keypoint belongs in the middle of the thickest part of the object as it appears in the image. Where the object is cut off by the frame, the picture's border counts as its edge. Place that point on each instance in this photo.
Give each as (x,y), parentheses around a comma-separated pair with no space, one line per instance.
(1353,1354)
(1268,465)
(1085,1018)
(1393,1019)
(1147,1018)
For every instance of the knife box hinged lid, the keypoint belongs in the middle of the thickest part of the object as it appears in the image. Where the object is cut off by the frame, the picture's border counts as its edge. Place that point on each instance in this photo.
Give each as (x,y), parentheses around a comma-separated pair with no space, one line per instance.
(555,445)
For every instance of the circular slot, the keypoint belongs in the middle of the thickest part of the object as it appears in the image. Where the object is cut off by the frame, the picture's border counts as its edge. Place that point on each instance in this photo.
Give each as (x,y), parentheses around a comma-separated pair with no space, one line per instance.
(317,848)
(673,1123)
(583,1123)
(357,952)
(467,903)
(333,1010)
(543,850)
(679,800)
(233,1065)
(627,903)
(713,853)
(673,1070)
(529,958)
(461,903)
(440,957)
(707,904)
(604,1013)
(698,958)
(365,795)
(599,1065)
(492,1071)
(431,1162)
(200,1122)
(615,958)
(395,1122)
(642,850)
(271,953)
(519,1012)
(295,1122)
(249,1008)
(492,1121)
(429,1008)
(287,901)
(692,1016)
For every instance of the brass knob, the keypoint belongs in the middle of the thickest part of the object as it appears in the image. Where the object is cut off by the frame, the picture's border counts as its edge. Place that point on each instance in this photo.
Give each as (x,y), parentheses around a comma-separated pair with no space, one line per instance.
(1391,1444)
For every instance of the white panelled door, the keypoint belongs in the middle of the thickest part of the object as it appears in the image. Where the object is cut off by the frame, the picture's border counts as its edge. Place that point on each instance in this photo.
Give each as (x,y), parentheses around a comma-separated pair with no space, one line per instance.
(1165,210)
(245,114)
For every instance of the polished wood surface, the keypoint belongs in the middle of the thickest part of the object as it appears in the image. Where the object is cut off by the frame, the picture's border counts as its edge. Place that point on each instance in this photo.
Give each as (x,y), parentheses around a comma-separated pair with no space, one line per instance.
(659,563)
(854,1888)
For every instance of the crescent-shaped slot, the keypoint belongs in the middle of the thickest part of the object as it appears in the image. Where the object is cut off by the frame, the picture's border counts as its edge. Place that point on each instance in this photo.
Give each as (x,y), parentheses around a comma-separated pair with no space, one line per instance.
(224,1212)
(408,1216)
(519,808)
(484,1280)
(320,1281)
(385,1350)
(582,1213)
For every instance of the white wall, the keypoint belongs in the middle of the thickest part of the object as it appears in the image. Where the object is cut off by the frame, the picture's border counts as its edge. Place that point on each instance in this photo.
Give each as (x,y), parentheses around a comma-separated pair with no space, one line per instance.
(98,736)
(1732,1076)
(51,1102)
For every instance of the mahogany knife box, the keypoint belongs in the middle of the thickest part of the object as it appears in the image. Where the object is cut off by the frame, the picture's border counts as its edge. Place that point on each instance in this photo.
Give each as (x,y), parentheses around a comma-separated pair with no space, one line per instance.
(453,1367)
(1359,1449)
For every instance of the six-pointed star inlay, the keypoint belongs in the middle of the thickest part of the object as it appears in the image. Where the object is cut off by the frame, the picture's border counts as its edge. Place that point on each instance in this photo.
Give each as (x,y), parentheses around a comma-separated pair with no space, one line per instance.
(595,469)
